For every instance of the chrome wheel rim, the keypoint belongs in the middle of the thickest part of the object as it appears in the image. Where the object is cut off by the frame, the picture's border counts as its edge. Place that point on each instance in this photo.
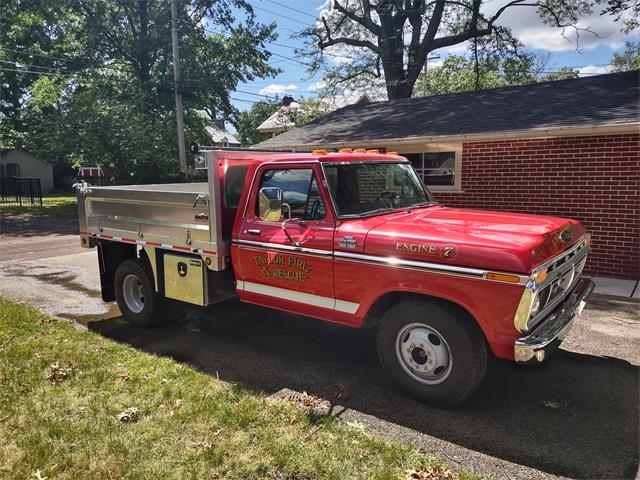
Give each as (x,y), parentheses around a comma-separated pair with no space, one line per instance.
(132,293)
(423,353)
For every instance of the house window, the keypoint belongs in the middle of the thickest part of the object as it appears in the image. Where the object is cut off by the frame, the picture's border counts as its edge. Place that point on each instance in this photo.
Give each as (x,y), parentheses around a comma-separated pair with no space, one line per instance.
(13,170)
(439,167)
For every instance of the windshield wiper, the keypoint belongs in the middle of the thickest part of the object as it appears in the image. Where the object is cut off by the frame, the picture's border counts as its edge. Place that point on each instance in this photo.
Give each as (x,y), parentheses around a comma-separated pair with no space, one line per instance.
(421,204)
(372,212)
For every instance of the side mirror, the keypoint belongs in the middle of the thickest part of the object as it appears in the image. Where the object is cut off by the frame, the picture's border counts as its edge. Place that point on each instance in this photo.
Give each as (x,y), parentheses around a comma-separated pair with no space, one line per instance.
(270,204)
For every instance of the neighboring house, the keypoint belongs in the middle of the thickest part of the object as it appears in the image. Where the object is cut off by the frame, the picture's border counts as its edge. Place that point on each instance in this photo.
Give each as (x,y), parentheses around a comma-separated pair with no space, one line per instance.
(569,148)
(219,136)
(17,163)
(281,120)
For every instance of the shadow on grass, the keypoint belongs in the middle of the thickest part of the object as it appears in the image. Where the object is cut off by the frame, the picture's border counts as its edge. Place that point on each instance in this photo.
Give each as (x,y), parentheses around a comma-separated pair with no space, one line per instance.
(576,416)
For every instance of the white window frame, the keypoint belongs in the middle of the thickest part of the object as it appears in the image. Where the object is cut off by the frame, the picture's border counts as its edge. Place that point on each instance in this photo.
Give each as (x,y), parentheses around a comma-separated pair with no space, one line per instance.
(436,148)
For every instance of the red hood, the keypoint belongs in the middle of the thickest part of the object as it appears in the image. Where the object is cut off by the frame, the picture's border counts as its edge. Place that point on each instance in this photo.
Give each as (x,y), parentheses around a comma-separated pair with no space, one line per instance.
(473,238)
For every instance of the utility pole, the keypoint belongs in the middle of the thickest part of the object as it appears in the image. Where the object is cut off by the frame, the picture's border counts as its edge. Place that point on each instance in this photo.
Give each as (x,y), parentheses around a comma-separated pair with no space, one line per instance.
(177,87)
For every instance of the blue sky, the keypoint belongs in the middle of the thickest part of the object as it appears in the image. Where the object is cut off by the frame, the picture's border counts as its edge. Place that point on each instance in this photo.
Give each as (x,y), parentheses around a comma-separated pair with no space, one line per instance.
(592,56)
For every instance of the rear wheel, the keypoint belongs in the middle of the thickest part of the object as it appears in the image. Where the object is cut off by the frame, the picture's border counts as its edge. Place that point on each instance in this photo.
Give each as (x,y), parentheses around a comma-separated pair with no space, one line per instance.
(135,294)
(433,352)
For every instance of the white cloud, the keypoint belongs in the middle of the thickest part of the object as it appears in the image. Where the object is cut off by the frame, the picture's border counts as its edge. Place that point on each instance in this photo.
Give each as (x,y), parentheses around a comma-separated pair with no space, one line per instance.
(527,26)
(315,86)
(278,89)
(594,69)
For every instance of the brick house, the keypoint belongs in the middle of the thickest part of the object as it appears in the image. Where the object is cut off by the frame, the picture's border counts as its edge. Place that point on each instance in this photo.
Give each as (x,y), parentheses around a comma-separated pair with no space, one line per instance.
(568,148)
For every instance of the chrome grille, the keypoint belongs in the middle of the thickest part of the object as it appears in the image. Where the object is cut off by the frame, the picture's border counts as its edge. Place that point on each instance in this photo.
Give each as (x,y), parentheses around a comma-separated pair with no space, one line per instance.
(563,274)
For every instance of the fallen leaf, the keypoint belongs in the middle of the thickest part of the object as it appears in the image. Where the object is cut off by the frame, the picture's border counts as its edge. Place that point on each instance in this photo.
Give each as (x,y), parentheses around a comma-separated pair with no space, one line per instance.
(201,445)
(130,415)
(551,404)
(177,403)
(39,475)
(57,373)
(340,391)
(431,472)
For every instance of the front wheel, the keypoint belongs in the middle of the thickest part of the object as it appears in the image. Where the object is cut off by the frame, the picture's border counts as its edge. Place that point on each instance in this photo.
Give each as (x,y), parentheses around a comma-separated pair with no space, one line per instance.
(433,352)
(139,303)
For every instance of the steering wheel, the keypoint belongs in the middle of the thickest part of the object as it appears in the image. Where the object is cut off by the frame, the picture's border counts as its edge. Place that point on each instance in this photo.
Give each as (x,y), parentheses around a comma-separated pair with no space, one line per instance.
(388,195)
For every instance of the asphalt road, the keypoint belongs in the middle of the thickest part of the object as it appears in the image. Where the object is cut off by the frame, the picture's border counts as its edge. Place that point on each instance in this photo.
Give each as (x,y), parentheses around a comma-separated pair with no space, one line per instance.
(26,237)
(577,416)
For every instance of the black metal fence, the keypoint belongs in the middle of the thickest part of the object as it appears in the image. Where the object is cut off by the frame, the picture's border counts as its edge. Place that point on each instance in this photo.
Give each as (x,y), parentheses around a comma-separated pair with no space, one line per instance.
(174,178)
(20,191)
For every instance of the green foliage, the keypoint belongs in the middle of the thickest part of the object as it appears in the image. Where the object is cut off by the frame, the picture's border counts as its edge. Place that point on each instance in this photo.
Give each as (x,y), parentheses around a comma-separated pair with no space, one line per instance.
(104,92)
(459,74)
(627,60)
(307,111)
(249,120)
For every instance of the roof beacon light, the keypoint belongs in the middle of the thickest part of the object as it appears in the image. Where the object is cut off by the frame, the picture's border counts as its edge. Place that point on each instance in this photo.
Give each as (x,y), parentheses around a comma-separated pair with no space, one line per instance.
(320,152)
(345,150)
(392,153)
(360,150)
(373,150)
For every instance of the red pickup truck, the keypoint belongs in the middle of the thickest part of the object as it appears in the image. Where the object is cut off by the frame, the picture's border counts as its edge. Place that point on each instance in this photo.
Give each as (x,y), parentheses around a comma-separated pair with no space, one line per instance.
(352,238)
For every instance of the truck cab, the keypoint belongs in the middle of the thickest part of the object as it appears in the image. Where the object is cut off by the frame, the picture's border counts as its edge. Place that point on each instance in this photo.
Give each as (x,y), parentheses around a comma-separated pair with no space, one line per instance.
(353,238)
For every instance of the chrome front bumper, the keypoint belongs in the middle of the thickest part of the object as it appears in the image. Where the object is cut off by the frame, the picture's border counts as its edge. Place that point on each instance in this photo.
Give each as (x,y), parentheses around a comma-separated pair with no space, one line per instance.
(545,338)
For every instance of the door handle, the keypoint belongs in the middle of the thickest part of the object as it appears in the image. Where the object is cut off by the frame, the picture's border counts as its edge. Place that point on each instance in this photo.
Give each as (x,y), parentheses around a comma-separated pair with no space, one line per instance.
(254,231)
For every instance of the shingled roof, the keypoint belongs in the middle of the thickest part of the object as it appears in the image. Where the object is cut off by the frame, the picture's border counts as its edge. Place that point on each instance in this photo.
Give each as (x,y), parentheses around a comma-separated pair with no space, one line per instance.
(583,102)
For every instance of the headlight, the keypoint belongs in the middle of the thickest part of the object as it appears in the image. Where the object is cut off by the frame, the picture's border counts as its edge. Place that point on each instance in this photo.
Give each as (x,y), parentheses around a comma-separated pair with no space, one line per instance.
(535,306)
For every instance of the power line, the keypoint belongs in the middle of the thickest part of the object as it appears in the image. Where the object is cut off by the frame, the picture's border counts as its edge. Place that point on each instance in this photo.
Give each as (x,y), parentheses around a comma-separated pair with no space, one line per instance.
(30,65)
(291,8)
(24,52)
(283,16)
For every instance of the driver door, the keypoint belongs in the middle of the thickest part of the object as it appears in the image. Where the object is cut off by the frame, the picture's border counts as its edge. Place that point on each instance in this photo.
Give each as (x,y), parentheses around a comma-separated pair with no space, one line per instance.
(285,244)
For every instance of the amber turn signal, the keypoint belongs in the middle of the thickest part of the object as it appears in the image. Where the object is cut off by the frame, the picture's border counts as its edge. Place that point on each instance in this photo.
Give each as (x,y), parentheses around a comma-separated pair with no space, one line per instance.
(541,276)
(502,277)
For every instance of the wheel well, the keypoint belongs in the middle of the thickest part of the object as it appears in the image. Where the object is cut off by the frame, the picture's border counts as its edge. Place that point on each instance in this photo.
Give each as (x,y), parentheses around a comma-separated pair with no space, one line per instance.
(382,304)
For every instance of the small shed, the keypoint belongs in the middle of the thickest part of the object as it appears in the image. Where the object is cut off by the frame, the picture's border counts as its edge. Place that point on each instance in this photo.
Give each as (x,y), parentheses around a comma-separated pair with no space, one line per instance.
(18,163)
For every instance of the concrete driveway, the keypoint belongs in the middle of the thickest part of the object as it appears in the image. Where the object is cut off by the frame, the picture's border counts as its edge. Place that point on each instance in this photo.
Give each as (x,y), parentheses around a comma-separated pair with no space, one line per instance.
(577,416)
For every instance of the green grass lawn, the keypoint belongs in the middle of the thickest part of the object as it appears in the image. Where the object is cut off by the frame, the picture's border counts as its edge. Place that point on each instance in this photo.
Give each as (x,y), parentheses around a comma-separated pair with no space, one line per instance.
(74,405)
(62,204)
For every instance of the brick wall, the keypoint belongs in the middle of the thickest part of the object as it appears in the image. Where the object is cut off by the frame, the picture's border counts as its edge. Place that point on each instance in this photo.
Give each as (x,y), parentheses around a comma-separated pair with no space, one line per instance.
(594,179)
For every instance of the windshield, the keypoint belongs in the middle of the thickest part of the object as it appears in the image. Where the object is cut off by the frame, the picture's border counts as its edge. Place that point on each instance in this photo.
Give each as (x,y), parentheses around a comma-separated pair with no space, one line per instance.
(364,188)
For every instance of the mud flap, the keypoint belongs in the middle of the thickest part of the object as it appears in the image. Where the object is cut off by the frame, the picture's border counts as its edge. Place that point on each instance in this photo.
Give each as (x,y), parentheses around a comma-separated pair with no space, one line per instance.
(110,256)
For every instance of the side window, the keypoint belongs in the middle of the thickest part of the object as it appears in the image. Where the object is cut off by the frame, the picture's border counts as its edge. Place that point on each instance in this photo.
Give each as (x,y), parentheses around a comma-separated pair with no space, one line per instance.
(299,190)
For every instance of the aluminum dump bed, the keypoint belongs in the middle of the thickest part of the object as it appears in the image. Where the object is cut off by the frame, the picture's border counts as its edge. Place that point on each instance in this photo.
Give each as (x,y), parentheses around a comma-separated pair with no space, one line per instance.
(185,217)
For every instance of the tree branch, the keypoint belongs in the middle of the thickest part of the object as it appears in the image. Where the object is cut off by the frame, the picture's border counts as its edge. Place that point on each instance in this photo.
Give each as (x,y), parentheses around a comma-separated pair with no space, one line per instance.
(329,42)
(365,21)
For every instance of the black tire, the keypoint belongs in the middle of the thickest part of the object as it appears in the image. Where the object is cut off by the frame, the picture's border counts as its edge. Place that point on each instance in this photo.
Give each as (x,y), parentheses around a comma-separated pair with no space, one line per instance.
(467,351)
(154,307)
